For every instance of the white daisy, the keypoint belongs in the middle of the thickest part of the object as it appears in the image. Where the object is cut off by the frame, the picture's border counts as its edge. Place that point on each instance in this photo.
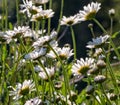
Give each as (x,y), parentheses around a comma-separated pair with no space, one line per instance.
(4,37)
(37,53)
(25,7)
(97,42)
(89,11)
(45,75)
(72,20)
(63,53)
(44,39)
(44,14)
(112,12)
(18,31)
(22,89)
(82,66)
(34,101)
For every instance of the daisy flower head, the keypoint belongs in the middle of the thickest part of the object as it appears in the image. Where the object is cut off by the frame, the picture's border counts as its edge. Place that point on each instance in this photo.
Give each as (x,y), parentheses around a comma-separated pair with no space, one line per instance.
(34,101)
(25,6)
(45,39)
(65,52)
(44,14)
(47,73)
(98,42)
(40,2)
(72,20)
(17,32)
(29,8)
(89,11)
(82,66)
(112,12)
(20,30)
(22,89)
(4,37)
(37,53)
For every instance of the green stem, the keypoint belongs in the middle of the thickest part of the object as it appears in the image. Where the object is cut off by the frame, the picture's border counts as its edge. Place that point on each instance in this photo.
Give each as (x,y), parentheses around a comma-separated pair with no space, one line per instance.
(98,23)
(92,32)
(49,20)
(111,72)
(61,14)
(17,11)
(111,25)
(111,42)
(115,49)
(51,84)
(74,41)
(64,72)
(96,99)
(105,95)
(6,14)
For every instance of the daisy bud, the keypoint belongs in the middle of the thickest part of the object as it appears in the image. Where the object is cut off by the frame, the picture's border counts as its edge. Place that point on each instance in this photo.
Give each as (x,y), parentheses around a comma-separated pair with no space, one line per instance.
(94,70)
(58,85)
(112,96)
(100,79)
(101,64)
(73,96)
(90,89)
(90,25)
(112,12)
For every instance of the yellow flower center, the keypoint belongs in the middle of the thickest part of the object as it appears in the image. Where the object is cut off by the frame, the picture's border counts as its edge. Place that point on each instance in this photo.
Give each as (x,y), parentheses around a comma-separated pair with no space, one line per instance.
(70,22)
(83,69)
(91,15)
(24,90)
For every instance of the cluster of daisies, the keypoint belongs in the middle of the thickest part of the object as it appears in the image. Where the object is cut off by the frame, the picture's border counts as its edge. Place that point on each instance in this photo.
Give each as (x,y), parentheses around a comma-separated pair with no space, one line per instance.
(41,51)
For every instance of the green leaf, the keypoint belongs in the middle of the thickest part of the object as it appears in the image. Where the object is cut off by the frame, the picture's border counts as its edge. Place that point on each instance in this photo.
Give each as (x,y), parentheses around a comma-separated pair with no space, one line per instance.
(115,34)
(10,26)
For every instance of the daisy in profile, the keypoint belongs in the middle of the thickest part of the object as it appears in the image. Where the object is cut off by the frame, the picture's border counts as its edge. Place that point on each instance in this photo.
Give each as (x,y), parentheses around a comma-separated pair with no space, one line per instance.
(22,89)
(63,53)
(72,20)
(4,37)
(44,14)
(44,39)
(17,32)
(45,75)
(34,101)
(82,66)
(98,42)
(89,11)
(35,54)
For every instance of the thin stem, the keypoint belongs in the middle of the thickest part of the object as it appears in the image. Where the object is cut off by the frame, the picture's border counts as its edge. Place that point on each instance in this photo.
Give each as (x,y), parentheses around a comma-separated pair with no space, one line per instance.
(17,11)
(105,94)
(65,30)
(111,42)
(49,20)
(50,81)
(114,47)
(111,25)
(64,72)
(96,99)
(111,72)
(98,23)
(74,41)
(61,14)
(92,32)
(6,14)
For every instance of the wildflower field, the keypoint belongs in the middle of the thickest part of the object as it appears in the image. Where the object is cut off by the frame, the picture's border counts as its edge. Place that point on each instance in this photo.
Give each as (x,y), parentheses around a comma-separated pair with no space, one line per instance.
(36,70)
